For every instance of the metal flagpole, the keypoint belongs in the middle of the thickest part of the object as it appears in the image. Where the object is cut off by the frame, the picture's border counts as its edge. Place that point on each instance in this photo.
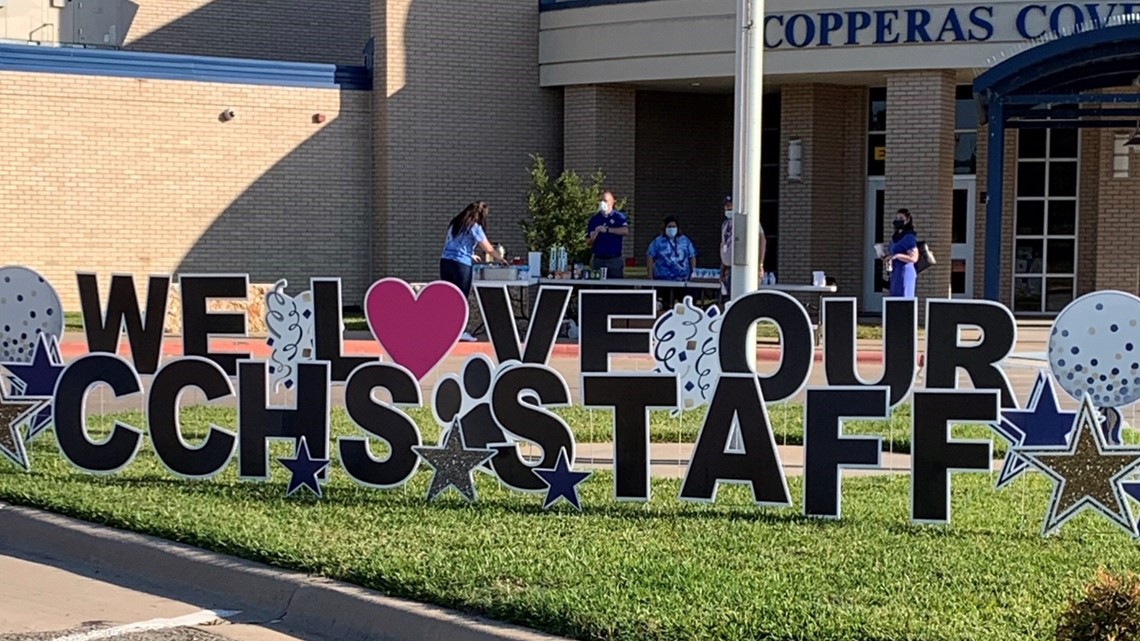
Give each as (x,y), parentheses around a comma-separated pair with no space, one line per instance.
(746,163)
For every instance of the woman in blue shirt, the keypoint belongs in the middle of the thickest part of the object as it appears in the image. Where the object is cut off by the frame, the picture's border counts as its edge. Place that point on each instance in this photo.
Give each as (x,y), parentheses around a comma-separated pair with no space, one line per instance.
(903,256)
(465,233)
(671,255)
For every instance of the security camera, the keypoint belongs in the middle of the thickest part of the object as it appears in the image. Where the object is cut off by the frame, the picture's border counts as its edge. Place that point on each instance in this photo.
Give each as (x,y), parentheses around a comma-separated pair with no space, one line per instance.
(227,115)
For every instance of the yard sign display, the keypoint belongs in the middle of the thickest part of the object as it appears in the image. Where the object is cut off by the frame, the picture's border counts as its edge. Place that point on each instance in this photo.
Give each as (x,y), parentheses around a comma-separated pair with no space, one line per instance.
(495,405)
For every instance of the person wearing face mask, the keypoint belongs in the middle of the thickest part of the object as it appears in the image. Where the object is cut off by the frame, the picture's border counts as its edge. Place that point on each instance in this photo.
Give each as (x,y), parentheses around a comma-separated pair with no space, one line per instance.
(671,256)
(726,248)
(605,232)
(902,255)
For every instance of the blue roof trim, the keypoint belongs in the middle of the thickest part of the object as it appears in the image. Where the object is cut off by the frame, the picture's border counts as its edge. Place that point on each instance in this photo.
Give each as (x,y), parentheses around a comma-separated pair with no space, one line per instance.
(555,5)
(162,66)
(1063,65)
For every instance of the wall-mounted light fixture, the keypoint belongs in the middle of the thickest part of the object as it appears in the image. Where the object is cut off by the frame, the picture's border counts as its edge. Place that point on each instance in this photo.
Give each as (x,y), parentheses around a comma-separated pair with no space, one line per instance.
(227,115)
(319,118)
(796,160)
(1121,155)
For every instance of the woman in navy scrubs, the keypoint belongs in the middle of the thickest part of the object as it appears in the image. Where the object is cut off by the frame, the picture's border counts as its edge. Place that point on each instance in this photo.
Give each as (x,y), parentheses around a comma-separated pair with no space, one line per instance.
(903,256)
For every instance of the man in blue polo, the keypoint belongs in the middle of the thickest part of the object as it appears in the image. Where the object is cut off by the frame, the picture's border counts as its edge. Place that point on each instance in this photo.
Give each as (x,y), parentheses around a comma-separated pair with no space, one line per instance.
(606,230)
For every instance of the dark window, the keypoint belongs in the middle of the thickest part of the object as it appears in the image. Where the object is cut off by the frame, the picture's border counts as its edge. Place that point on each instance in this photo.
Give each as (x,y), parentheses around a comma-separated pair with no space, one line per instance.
(1031,143)
(1031,218)
(1031,179)
(960,213)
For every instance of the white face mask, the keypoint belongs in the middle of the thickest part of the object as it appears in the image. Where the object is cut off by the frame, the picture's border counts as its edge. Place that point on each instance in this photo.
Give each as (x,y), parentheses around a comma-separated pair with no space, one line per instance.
(728,213)
(603,207)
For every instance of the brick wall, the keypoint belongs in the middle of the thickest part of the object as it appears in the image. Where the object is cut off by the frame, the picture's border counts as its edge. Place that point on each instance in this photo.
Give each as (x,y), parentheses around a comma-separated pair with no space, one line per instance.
(684,168)
(458,112)
(295,30)
(822,217)
(1114,238)
(140,176)
(1096,162)
(599,134)
(1009,178)
(920,165)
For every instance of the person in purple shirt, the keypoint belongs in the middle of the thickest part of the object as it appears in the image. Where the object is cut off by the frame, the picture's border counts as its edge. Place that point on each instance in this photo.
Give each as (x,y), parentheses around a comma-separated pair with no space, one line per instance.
(605,232)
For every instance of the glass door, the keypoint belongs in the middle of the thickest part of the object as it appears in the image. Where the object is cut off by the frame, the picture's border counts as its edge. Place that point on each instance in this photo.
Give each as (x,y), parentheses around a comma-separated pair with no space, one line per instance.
(875,286)
(962,238)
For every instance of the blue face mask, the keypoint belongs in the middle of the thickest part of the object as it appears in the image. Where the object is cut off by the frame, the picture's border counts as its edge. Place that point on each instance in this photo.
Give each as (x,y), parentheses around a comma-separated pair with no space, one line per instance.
(671,232)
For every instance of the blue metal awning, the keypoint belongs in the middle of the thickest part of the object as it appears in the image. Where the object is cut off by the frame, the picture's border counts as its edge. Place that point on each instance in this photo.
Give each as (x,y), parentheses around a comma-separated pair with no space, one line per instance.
(1085,61)
(1048,86)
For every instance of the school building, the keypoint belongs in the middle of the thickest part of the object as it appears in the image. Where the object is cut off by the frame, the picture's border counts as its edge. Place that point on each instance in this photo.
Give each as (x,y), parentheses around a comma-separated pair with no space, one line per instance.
(318,138)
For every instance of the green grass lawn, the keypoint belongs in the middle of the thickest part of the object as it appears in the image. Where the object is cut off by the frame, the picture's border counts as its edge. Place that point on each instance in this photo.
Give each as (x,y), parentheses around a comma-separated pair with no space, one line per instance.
(655,572)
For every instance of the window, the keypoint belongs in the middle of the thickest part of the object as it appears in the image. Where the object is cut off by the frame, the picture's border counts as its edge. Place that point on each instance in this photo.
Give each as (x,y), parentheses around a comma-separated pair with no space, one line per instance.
(965,132)
(1045,220)
(877,132)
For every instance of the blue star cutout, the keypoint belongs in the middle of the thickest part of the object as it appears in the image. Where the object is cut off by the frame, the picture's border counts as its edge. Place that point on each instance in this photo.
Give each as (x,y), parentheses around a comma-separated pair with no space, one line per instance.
(37,379)
(562,483)
(304,469)
(1043,424)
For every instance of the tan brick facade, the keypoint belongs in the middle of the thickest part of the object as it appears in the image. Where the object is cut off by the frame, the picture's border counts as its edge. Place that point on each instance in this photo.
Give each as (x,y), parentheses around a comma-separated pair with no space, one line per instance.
(684,168)
(822,216)
(920,164)
(297,30)
(599,134)
(140,176)
(458,112)
(1112,242)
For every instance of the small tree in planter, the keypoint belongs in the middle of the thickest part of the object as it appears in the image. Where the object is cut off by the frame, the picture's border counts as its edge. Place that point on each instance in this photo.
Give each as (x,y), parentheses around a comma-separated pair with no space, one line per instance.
(560,209)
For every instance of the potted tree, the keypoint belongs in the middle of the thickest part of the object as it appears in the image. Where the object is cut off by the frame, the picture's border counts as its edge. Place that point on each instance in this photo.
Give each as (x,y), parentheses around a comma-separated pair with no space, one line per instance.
(559,210)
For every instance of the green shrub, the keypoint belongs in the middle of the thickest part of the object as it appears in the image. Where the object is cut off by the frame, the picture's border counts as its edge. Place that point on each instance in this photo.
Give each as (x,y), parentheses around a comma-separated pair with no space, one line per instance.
(1109,610)
(559,210)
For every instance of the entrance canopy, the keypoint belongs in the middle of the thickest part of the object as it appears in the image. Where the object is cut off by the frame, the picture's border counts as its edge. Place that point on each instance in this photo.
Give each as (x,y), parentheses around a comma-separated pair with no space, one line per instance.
(1052,86)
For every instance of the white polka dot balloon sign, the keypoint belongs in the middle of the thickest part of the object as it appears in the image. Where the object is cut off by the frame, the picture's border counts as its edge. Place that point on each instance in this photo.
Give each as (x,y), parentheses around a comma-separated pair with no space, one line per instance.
(1094,349)
(29,306)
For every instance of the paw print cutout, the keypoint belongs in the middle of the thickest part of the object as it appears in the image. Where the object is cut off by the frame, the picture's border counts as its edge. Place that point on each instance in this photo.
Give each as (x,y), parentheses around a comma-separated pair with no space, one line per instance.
(468,398)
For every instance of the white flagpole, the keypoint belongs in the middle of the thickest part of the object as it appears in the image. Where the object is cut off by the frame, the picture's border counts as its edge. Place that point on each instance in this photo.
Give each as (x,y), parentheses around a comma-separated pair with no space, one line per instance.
(746,163)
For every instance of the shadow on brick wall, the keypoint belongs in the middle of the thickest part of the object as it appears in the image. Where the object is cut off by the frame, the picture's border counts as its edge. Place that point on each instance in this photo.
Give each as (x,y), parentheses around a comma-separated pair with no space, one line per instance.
(288,30)
(308,215)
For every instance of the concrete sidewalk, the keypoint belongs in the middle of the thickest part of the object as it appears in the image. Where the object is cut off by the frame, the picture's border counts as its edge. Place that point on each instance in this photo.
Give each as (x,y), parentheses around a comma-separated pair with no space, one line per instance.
(175,575)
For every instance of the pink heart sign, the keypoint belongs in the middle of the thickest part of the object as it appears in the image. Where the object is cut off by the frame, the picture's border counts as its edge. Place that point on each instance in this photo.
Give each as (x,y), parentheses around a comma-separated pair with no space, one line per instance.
(416,331)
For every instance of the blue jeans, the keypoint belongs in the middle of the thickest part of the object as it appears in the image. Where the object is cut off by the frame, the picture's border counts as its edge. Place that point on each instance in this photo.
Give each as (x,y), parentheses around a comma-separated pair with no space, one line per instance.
(457,274)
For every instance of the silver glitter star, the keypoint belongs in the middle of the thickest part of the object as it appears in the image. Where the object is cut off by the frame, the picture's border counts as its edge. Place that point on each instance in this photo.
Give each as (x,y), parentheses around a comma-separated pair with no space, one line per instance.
(15,414)
(1086,474)
(453,463)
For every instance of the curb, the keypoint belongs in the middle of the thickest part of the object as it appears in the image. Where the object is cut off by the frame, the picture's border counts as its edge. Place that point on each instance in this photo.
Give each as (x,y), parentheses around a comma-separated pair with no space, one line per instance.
(258,349)
(304,603)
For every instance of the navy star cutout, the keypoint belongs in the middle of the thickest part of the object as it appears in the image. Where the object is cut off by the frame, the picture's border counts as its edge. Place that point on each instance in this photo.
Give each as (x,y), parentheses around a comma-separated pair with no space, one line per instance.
(1042,424)
(1132,489)
(562,483)
(304,469)
(36,380)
